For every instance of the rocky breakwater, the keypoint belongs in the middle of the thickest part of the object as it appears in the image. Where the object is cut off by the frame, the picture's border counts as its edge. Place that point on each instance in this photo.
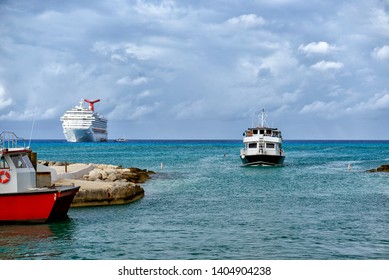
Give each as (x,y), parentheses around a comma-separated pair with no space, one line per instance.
(111,185)
(107,185)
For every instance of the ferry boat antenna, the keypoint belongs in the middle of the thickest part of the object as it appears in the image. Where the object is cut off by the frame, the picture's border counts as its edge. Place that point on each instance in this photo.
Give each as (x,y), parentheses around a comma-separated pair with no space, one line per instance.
(32,129)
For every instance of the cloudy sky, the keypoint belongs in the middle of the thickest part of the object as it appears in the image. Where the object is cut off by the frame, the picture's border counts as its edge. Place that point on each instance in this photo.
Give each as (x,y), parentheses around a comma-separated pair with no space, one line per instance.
(202,69)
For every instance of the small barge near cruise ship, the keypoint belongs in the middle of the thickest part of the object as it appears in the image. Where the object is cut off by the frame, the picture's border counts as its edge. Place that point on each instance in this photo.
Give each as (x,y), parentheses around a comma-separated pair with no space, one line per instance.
(20,200)
(262,145)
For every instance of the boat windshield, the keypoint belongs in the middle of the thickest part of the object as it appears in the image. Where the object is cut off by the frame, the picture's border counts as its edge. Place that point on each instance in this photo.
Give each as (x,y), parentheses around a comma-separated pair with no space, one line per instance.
(27,161)
(21,161)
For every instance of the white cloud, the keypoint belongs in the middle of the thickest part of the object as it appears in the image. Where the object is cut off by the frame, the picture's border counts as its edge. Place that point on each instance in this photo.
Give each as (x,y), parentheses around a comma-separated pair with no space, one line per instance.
(326,65)
(141,111)
(381,53)
(130,110)
(333,109)
(380,19)
(317,48)
(376,102)
(4,100)
(190,110)
(382,102)
(320,108)
(166,9)
(144,94)
(278,63)
(246,21)
(19,116)
(132,81)
(118,58)
(142,52)
(123,51)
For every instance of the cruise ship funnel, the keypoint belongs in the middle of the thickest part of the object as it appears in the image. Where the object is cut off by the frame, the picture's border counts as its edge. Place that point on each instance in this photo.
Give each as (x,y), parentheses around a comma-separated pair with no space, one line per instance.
(91,107)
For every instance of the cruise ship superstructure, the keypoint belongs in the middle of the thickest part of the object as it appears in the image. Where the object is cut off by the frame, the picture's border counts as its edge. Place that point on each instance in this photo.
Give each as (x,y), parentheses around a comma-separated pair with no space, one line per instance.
(82,124)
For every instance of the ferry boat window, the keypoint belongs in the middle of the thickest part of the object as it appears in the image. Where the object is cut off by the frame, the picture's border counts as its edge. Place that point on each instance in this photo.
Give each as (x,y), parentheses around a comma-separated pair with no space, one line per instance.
(18,161)
(255,131)
(261,131)
(268,132)
(269,145)
(252,145)
(3,163)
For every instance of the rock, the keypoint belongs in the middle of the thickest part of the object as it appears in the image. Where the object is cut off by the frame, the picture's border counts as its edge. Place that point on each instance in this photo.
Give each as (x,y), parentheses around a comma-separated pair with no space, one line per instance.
(133,175)
(94,175)
(382,168)
(114,177)
(104,175)
(130,176)
(110,171)
(43,162)
(142,174)
(114,194)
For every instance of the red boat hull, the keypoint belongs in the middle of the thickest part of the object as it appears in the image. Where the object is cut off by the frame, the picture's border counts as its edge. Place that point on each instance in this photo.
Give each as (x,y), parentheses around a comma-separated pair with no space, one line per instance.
(39,206)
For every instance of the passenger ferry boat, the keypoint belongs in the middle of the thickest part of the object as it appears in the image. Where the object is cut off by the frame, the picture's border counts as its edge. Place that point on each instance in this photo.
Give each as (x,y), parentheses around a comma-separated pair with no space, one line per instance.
(262,145)
(20,200)
(82,124)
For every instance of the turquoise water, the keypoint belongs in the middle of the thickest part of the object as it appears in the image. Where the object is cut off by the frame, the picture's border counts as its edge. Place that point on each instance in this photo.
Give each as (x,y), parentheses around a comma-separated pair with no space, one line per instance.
(204,205)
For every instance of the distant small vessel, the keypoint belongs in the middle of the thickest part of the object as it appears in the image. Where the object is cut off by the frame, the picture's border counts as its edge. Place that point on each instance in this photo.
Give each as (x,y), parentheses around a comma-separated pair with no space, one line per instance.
(82,124)
(262,145)
(20,200)
(121,140)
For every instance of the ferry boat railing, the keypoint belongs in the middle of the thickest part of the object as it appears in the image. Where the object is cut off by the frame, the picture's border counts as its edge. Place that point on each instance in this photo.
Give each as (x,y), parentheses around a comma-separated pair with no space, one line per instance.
(9,140)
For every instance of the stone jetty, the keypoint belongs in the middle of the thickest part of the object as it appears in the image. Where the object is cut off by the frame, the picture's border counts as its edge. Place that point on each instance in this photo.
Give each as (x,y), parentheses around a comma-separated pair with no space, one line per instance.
(100,184)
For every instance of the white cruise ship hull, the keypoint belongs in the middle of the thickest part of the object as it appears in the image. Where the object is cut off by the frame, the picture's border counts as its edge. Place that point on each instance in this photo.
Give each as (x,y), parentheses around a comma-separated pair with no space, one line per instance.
(84,135)
(82,124)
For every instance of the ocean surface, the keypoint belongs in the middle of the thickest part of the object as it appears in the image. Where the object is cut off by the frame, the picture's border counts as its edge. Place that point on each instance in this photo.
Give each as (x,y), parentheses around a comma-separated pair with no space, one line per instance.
(204,205)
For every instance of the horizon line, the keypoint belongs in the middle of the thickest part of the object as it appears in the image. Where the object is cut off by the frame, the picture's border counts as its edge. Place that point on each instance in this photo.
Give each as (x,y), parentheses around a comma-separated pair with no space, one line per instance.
(204,139)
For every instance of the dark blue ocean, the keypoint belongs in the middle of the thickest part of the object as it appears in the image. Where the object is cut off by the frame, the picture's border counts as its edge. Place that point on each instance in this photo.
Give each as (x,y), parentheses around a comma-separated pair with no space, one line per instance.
(204,205)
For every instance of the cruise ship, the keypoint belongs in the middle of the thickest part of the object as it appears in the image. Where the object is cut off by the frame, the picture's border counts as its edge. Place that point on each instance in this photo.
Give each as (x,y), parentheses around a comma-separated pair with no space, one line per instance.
(82,124)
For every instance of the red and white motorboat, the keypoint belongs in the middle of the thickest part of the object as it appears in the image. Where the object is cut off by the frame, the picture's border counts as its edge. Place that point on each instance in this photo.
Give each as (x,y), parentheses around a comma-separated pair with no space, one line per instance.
(20,200)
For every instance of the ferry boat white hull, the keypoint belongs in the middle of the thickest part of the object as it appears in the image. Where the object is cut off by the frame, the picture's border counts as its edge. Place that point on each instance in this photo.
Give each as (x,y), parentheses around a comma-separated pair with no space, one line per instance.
(262,160)
(84,135)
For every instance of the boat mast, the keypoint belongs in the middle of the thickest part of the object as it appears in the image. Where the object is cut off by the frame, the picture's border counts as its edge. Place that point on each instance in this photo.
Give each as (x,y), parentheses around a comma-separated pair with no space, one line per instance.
(263,118)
